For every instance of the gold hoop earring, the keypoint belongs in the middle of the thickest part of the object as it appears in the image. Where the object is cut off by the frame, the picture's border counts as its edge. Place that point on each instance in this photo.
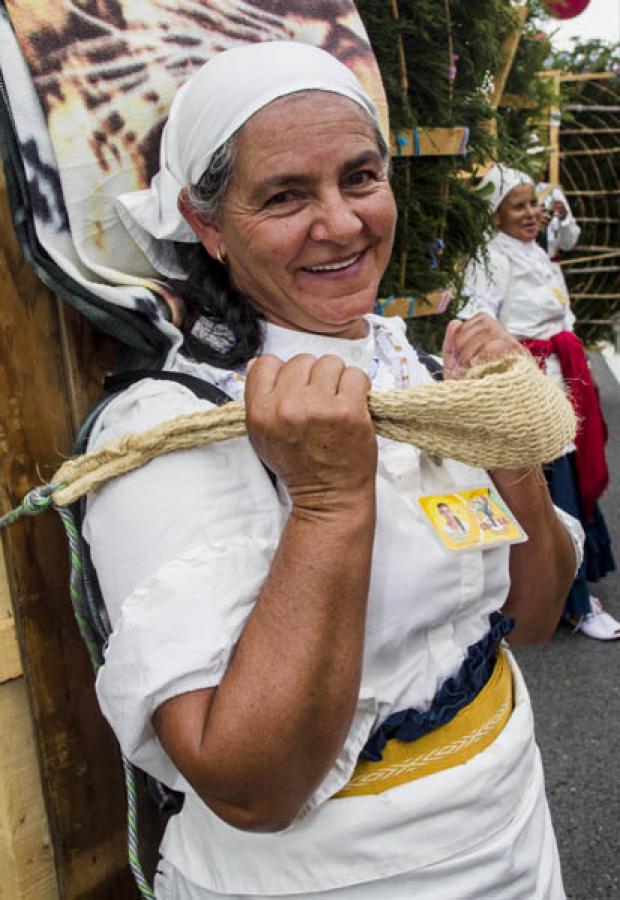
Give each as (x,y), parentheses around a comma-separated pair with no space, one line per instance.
(221,256)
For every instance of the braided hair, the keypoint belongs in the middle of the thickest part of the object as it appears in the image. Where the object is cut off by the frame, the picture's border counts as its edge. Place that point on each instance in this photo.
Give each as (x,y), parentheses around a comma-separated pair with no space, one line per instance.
(222,327)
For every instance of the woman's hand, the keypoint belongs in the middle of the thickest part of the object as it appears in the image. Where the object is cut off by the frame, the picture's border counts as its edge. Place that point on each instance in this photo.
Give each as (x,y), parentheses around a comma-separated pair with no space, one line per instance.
(559,209)
(474,341)
(308,421)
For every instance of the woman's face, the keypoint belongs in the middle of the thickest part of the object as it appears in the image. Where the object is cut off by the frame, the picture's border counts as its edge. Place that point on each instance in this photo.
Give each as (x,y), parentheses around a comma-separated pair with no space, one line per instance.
(308,220)
(518,215)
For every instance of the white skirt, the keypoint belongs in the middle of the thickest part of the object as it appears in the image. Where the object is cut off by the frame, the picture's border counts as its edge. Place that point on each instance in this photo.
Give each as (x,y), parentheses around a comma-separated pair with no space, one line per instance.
(489,838)
(500,870)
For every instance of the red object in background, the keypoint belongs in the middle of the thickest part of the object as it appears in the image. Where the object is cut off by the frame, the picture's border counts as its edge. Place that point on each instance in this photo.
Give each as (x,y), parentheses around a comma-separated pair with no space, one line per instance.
(565,9)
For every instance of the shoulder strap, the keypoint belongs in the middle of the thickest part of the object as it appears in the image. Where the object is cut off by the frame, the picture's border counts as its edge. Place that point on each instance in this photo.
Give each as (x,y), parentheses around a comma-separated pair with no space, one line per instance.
(433,365)
(113,384)
(167,800)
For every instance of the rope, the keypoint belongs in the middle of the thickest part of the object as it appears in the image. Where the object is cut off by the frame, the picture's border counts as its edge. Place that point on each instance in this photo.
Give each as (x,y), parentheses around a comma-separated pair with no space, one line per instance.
(132,830)
(35,502)
(76,588)
(504,414)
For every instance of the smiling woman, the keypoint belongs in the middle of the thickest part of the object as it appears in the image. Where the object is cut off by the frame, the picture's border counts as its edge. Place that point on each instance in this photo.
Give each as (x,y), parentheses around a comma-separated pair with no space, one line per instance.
(522,288)
(310,240)
(295,647)
(518,215)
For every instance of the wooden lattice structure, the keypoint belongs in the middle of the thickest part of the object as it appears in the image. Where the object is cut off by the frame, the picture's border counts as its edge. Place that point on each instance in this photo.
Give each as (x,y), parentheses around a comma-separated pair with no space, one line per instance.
(585,161)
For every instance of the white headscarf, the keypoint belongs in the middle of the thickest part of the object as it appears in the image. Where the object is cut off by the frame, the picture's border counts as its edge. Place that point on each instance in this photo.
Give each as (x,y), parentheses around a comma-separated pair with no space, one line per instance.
(503,180)
(210,107)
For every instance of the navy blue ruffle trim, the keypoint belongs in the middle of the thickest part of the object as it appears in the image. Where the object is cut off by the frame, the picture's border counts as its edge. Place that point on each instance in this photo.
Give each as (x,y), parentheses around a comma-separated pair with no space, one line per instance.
(454,694)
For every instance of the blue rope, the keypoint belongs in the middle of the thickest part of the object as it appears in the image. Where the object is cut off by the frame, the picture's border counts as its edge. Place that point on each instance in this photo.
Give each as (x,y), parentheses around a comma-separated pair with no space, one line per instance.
(132,830)
(36,501)
(76,587)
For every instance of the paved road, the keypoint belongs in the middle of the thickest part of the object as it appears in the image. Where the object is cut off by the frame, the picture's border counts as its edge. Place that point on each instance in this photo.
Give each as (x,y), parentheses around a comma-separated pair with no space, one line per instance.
(575,687)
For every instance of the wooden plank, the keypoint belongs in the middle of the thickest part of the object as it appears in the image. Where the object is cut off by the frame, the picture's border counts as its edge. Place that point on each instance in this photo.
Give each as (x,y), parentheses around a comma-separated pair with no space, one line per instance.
(508,53)
(10,659)
(26,859)
(586,76)
(78,755)
(516,101)
(429,141)
(410,306)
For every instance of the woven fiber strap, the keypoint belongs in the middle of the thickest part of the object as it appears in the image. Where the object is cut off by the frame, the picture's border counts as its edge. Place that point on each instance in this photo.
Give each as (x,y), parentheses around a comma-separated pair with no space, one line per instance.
(504,414)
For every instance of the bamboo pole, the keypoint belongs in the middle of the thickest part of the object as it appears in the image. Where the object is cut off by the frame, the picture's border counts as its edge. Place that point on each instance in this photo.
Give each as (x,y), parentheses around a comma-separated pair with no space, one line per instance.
(573,262)
(586,76)
(594,193)
(554,132)
(508,51)
(402,59)
(601,151)
(595,297)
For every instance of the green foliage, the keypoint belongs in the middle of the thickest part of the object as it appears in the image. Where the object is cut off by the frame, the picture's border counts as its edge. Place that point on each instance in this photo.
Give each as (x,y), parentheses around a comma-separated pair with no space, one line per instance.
(434,194)
(434,199)
(586,56)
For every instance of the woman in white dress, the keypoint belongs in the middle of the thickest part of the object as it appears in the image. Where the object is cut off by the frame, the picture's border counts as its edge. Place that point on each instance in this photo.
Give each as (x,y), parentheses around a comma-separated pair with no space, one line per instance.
(518,285)
(294,647)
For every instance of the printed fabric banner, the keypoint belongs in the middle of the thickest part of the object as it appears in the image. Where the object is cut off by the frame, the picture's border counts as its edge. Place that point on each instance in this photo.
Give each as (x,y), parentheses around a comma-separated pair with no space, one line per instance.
(89,84)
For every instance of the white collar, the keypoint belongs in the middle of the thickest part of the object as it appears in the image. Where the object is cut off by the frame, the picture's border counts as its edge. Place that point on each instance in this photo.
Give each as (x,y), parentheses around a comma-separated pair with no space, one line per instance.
(286,343)
(530,249)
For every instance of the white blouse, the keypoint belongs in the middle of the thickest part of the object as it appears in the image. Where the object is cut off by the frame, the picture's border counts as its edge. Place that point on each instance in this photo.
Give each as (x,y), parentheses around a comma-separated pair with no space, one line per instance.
(182,547)
(519,286)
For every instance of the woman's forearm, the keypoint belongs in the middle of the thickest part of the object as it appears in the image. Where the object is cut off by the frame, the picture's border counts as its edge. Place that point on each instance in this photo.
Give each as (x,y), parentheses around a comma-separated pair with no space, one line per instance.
(257,746)
(541,569)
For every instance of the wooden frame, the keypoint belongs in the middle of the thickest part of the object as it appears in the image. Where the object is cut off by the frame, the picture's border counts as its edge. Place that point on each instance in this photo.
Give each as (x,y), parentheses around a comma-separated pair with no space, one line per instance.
(51,361)
(429,141)
(26,858)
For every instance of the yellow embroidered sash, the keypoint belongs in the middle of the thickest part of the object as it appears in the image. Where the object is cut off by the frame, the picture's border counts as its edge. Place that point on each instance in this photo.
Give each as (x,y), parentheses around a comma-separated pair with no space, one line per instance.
(472,729)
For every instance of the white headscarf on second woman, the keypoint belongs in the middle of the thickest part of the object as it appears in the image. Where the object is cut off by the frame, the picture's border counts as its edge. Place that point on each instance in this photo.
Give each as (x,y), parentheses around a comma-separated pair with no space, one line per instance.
(499,181)
(207,110)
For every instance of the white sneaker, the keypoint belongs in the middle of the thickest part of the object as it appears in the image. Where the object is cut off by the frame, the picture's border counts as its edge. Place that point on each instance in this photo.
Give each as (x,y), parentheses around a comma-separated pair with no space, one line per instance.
(598,624)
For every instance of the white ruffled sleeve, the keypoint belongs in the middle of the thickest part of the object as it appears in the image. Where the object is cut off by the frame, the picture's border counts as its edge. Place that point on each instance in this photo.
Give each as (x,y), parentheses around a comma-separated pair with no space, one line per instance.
(181,548)
(569,230)
(175,634)
(486,285)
